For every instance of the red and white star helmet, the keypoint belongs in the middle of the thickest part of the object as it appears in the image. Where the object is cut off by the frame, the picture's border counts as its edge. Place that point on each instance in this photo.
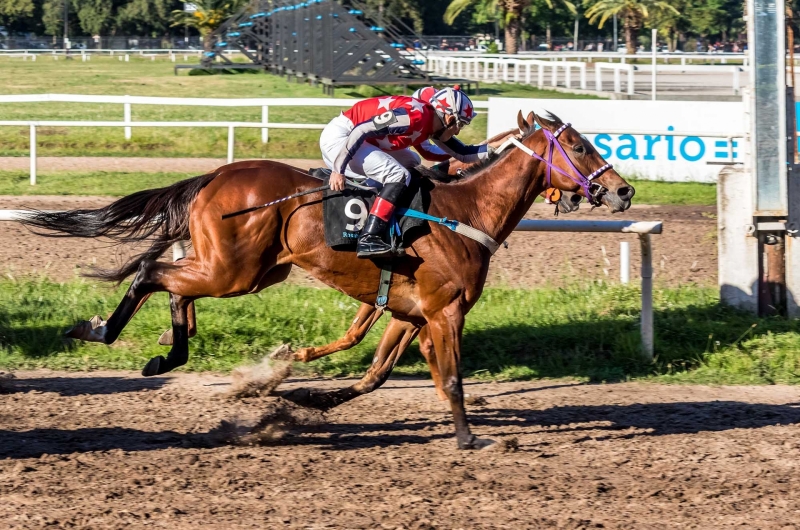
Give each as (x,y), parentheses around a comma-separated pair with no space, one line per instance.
(424,94)
(453,102)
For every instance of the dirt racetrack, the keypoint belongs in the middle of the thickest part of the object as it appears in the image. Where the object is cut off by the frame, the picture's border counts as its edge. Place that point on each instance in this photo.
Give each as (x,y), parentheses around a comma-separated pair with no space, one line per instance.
(110,450)
(686,252)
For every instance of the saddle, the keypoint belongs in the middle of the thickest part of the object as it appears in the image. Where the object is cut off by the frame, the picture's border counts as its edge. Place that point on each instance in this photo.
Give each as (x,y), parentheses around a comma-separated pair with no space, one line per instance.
(345,212)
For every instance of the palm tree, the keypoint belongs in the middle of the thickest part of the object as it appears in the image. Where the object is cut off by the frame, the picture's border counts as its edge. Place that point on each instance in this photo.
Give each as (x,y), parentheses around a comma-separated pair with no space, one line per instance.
(507,12)
(632,12)
(208,16)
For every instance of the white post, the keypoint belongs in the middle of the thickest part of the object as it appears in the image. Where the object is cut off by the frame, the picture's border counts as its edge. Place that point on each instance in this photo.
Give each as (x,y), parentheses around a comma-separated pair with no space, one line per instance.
(653,46)
(230,144)
(583,76)
(33,155)
(264,119)
(528,73)
(540,77)
(497,70)
(598,77)
(683,61)
(567,75)
(516,71)
(617,80)
(505,71)
(485,70)
(630,79)
(554,74)
(127,118)
(647,297)
(178,251)
(127,58)
(624,262)
(736,85)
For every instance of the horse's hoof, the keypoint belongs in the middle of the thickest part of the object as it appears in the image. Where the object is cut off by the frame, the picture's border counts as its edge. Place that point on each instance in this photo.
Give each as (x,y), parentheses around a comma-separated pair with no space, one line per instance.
(282,353)
(298,396)
(93,330)
(166,338)
(155,366)
(476,443)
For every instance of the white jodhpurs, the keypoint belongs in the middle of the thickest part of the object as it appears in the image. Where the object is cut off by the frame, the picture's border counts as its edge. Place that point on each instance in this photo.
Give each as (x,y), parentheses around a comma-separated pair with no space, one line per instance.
(369,162)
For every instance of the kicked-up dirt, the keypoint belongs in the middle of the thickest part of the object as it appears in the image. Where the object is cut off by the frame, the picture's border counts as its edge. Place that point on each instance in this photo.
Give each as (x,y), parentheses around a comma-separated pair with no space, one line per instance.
(110,450)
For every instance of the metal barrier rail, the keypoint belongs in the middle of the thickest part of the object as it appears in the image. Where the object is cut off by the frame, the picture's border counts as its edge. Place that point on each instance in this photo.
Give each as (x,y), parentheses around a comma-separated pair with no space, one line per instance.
(642,228)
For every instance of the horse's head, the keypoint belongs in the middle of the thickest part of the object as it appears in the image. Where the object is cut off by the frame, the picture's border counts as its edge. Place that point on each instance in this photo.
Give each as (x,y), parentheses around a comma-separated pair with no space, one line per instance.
(571,163)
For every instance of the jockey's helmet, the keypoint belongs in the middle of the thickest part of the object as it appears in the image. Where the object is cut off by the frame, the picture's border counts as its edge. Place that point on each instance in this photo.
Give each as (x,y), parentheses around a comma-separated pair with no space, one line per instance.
(453,102)
(424,94)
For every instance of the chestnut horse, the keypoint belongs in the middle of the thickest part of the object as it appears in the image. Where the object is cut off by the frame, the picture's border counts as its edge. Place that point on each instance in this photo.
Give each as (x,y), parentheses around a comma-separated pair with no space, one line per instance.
(438,281)
(367,314)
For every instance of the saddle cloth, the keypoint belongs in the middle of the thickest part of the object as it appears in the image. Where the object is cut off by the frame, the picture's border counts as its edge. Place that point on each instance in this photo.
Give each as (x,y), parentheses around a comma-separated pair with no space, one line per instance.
(345,212)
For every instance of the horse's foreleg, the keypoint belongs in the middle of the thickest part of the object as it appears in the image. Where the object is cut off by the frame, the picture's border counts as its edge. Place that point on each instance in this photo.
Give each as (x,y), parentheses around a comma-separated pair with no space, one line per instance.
(427,350)
(446,328)
(365,318)
(179,354)
(398,335)
(143,285)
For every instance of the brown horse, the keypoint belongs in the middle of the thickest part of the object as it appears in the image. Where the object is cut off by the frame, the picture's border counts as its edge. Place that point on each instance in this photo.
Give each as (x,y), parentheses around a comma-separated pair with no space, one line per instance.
(567,202)
(436,283)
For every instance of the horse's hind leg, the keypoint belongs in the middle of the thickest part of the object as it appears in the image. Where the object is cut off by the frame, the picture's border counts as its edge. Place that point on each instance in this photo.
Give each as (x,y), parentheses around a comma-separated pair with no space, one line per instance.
(179,354)
(365,318)
(166,338)
(398,335)
(143,285)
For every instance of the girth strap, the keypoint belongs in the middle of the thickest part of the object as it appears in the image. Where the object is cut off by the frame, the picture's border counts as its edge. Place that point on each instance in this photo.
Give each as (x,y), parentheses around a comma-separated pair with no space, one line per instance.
(383,287)
(457,227)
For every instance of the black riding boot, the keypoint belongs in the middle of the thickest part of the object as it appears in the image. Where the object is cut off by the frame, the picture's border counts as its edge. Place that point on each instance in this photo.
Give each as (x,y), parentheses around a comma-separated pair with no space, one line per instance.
(371,243)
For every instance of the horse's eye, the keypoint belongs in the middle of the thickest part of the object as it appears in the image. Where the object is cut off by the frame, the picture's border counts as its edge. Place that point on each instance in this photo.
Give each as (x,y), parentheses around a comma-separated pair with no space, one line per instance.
(579,149)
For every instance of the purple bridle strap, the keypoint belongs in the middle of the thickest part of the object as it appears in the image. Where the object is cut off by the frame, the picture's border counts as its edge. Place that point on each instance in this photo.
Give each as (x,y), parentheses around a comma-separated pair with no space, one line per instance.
(581,180)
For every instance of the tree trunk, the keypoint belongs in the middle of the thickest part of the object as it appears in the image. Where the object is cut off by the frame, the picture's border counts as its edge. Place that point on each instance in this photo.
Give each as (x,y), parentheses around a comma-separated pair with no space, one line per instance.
(548,38)
(630,24)
(208,42)
(512,36)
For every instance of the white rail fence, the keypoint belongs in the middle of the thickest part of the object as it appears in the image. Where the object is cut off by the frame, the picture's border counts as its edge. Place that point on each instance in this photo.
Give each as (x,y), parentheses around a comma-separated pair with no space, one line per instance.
(517,69)
(641,228)
(128,124)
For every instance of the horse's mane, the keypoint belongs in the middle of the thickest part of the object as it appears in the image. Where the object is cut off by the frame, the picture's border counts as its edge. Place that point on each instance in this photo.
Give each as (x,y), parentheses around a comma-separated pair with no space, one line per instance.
(484,164)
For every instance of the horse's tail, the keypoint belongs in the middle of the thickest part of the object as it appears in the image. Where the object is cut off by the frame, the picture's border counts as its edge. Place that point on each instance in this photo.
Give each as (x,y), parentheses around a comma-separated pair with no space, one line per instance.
(160,216)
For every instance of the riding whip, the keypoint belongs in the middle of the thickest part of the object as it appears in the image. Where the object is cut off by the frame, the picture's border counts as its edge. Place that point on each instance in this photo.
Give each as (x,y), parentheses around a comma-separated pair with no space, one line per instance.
(349,183)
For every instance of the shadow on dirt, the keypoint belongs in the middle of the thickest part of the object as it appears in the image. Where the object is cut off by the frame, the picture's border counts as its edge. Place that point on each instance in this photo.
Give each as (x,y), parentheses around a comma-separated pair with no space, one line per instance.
(655,419)
(78,386)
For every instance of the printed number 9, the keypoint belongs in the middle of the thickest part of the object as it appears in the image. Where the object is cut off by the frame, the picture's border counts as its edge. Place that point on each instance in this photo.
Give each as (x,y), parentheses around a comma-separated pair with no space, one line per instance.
(384,119)
(356,209)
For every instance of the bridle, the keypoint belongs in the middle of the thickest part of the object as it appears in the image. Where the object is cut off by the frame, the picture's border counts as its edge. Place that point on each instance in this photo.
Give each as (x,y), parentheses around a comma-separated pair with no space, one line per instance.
(592,190)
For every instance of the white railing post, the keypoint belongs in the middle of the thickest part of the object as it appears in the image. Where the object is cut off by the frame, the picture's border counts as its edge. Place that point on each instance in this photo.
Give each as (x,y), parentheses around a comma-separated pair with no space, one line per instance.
(230,144)
(617,81)
(647,297)
(486,70)
(653,74)
(264,119)
(630,79)
(528,73)
(598,77)
(127,117)
(33,154)
(497,70)
(582,68)
(505,71)
(567,75)
(736,85)
(516,71)
(540,77)
(554,74)
(624,262)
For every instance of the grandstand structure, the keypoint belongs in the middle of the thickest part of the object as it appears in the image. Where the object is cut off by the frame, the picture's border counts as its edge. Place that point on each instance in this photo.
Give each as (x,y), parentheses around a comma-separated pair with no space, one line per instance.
(328,42)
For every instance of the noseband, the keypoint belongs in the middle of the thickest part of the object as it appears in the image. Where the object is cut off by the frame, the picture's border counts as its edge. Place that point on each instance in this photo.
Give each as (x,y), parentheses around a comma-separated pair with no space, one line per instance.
(584,181)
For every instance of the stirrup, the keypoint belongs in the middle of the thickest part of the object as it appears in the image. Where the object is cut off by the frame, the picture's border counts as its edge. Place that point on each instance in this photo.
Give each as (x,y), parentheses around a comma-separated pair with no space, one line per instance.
(372,246)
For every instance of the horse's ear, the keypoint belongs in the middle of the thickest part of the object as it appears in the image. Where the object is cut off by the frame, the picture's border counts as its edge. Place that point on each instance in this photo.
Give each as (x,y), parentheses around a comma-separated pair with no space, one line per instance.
(529,120)
(551,123)
(523,126)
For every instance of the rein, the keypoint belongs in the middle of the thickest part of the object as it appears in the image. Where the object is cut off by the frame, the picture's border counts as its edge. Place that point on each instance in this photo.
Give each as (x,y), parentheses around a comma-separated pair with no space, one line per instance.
(584,181)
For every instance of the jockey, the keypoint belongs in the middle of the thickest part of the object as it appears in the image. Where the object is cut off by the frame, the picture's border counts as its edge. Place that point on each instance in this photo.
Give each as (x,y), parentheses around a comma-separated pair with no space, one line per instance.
(371,140)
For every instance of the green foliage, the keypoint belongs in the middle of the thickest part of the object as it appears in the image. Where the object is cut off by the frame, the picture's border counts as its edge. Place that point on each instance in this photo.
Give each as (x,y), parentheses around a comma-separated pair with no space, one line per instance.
(584,331)
(209,15)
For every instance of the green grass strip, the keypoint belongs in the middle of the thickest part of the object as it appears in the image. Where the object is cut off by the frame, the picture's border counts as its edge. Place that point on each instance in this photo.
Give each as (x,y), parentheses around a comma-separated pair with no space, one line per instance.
(586,331)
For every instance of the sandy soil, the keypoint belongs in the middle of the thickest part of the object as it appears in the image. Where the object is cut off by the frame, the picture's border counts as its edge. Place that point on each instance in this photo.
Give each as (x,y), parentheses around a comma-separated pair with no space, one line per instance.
(685,252)
(110,450)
